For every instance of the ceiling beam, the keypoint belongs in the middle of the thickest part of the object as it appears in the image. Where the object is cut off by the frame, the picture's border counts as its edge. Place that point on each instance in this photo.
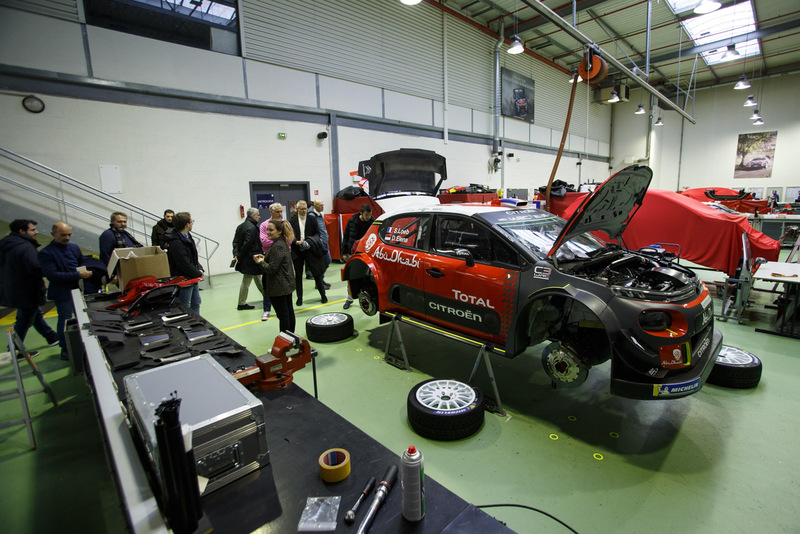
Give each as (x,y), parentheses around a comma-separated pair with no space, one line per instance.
(583,39)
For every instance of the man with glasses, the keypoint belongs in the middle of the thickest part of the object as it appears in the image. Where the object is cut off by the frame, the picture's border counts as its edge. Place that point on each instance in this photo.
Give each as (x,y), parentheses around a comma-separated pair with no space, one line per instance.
(117,236)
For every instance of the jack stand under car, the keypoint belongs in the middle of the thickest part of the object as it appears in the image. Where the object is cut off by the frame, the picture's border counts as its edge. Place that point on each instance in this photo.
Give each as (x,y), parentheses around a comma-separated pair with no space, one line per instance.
(275,369)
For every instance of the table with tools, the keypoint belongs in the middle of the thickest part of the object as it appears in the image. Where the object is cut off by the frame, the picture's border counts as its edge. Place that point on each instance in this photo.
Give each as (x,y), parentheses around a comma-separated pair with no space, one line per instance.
(787,274)
(308,447)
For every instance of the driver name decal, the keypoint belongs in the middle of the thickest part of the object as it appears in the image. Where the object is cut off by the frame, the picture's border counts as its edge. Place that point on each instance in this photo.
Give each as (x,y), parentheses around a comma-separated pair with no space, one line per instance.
(396,256)
(463,297)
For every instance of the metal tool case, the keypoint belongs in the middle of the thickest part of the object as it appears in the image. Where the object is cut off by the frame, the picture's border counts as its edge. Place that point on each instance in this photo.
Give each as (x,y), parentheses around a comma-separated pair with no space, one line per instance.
(227,421)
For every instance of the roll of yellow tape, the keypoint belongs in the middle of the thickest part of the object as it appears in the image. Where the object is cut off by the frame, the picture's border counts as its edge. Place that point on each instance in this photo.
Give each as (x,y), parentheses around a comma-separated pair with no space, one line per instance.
(334,465)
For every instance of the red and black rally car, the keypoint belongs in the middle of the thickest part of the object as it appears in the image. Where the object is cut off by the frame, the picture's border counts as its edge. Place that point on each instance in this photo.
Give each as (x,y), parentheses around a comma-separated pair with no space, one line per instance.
(512,276)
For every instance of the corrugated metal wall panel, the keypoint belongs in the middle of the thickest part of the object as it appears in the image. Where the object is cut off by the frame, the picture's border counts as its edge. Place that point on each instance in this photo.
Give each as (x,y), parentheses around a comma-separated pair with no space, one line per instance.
(380,43)
(407,56)
(62,9)
(470,67)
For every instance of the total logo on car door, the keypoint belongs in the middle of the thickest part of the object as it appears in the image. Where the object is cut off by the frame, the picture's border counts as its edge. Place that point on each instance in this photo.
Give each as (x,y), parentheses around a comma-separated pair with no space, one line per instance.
(480,297)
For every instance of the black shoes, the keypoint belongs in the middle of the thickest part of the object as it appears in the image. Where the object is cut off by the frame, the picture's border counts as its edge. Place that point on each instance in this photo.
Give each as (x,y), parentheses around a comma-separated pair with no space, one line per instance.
(31,353)
(326,285)
(299,302)
(245,307)
(347,304)
(52,342)
(324,299)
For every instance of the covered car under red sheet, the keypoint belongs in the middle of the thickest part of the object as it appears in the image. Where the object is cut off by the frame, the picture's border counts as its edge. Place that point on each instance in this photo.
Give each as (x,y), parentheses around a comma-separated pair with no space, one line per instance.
(746,204)
(706,236)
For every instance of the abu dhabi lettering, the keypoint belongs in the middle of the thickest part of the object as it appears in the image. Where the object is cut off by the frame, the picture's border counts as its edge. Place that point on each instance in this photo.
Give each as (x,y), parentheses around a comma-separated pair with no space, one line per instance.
(396,256)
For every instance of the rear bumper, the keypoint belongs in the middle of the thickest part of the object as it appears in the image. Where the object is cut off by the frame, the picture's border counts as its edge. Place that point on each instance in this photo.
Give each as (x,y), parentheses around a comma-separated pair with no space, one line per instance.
(673,387)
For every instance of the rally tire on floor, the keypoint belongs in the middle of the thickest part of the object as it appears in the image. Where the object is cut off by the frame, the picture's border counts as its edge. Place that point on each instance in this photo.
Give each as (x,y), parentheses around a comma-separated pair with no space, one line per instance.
(445,410)
(735,368)
(329,327)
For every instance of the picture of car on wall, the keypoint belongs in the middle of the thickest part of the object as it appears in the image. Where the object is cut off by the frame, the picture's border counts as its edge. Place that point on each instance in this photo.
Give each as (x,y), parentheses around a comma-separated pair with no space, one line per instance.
(512,277)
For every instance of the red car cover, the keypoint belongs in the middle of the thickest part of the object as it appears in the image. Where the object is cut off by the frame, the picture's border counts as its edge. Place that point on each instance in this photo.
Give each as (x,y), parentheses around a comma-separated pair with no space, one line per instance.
(745,205)
(706,236)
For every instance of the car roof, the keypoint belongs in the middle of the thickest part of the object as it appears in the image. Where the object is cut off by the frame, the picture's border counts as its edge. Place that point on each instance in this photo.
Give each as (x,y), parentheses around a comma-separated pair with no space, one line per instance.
(466,209)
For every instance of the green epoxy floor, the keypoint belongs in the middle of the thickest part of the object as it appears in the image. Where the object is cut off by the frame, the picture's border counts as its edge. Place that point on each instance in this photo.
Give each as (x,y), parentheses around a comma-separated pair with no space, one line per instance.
(721,460)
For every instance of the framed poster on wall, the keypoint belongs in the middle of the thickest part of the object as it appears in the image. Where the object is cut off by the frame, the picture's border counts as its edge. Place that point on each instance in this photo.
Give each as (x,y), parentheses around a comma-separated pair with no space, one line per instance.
(516,95)
(758,192)
(793,194)
(755,155)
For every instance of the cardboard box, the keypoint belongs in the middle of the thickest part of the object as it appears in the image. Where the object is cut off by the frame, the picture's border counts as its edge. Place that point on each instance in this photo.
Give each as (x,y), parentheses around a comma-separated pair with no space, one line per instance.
(140,261)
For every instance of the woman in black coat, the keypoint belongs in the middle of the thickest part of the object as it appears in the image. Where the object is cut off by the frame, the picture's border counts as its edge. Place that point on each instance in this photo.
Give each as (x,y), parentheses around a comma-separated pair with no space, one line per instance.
(279,277)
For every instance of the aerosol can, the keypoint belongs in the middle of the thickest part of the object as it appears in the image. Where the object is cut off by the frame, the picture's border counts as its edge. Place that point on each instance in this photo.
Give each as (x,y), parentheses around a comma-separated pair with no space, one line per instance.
(412,482)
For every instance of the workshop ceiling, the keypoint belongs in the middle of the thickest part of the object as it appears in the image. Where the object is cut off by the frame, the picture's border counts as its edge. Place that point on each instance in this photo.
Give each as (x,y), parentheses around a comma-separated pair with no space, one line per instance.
(620,27)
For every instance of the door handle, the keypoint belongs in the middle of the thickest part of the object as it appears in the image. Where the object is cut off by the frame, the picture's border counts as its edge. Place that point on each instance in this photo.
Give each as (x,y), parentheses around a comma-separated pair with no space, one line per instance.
(436,273)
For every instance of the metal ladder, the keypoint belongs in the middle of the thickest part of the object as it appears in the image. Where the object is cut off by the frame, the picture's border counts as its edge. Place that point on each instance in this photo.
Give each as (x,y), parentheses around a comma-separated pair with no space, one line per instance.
(16,345)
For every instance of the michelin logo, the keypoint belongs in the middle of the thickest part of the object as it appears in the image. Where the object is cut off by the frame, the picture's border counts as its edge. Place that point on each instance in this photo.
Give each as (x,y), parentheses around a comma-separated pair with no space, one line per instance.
(669,390)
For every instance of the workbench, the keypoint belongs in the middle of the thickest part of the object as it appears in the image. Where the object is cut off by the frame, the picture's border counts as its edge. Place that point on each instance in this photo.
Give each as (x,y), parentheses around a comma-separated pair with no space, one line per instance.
(787,274)
(299,428)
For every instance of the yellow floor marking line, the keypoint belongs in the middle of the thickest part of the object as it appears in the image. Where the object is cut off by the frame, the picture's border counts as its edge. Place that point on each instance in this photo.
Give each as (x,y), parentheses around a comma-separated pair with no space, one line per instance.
(274,317)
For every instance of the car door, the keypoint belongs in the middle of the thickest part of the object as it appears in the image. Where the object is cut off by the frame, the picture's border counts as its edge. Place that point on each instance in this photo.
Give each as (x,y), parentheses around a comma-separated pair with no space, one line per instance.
(478,300)
(402,242)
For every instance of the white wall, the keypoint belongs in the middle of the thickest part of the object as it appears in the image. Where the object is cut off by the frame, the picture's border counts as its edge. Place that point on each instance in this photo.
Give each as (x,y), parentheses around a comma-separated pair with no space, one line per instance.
(185,161)
(704,154)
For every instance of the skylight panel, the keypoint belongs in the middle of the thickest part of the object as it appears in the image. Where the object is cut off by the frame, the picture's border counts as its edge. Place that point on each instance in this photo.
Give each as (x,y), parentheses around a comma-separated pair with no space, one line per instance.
(724,24)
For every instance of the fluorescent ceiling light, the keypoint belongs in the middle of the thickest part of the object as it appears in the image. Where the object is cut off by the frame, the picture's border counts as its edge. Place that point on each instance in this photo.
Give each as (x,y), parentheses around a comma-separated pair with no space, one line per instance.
(724,24)
(640,110)
(755,116)
(759,122)
(411,2)
(614,97)
(707,6)
(572,78)
(659,122)
(750,102)
(742,83)
(516,45)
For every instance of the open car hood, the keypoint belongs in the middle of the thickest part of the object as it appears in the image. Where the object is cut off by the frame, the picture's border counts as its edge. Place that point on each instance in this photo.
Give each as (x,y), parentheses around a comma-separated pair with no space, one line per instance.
(408,171)
(610,207)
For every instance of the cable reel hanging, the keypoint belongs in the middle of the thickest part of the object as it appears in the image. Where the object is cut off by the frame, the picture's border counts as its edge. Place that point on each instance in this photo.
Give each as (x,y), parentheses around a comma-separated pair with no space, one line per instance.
(592,67)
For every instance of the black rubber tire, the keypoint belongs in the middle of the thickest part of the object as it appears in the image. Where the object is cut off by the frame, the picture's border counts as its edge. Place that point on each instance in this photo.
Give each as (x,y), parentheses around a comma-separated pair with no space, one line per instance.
(329,327)
(448,424)
(735,368)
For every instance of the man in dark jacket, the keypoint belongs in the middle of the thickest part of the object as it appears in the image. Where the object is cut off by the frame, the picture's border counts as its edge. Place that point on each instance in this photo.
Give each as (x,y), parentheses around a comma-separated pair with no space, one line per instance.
(305,226)
(157,235)
(246,243)
(21,282)
(63,264)
(183,260)
(117,236)
(355,229)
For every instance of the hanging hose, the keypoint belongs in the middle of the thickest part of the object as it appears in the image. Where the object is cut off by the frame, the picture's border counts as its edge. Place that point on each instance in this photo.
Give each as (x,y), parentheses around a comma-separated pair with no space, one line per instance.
(548,205)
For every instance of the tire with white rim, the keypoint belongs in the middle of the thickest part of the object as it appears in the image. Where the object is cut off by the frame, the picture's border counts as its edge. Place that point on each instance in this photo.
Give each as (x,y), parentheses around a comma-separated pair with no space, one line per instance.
(735,368)
(329,327)
(444,409)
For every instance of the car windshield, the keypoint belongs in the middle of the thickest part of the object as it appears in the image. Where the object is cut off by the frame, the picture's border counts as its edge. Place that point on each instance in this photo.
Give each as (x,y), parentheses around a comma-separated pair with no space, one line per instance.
(538,231)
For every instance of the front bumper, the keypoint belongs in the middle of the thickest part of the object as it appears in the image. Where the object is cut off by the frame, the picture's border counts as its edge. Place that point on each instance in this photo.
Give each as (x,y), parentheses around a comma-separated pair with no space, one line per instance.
(635,386)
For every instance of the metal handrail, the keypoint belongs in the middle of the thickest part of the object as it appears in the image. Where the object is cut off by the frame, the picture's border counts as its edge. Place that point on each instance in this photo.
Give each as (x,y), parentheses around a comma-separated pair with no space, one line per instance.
(64,179)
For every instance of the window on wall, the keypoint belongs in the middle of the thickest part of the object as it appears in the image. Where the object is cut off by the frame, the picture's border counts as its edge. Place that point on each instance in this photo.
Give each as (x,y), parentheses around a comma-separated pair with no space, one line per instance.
(207,24)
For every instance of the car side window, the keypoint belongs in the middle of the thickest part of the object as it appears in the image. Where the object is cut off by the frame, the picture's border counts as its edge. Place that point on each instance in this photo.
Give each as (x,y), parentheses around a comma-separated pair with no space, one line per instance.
(456,232)
(406,231)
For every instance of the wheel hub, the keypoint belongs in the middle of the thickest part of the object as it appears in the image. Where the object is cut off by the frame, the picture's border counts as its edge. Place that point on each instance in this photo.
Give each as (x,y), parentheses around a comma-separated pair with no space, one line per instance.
(446,395)
(563,365)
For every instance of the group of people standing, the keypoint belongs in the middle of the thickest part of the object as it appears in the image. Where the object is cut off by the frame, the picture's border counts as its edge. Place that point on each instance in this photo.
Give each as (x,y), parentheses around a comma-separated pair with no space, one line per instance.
(276,253)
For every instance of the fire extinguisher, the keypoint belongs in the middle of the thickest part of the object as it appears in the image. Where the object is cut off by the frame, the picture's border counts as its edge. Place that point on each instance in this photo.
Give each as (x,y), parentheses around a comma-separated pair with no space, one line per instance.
(241,211)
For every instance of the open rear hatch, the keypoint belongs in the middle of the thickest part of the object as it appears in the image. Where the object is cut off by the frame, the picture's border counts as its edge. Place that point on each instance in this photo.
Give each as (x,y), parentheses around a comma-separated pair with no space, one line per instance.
(395,176)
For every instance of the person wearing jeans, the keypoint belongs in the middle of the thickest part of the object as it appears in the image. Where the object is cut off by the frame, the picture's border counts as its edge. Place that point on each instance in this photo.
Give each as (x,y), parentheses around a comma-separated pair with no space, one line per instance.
(60,262)
(21,282)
